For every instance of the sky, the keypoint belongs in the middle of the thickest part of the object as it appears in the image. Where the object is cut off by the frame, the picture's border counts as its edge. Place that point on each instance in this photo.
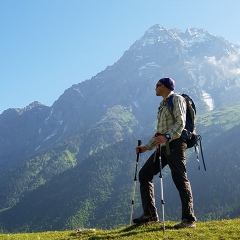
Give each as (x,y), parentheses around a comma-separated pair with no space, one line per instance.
(46,46)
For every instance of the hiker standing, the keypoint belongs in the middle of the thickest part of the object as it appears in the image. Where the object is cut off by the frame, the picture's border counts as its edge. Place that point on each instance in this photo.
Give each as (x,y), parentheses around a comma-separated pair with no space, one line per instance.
(173,153)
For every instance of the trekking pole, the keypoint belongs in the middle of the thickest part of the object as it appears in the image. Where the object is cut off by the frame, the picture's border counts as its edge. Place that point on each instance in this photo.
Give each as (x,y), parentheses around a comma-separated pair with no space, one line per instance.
(135,181)
(161,184)
(158,149)
(200,140)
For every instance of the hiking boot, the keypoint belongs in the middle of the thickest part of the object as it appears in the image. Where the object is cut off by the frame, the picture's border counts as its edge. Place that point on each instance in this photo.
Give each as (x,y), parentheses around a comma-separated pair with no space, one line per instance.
(146,219)
(185,224)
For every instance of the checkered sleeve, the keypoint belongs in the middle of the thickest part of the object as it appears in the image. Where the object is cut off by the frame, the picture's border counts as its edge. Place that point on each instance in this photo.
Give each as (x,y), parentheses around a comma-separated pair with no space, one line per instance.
(179,113)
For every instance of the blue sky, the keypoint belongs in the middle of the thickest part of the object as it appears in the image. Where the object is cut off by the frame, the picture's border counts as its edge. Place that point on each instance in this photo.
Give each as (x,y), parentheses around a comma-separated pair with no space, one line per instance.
(46,46)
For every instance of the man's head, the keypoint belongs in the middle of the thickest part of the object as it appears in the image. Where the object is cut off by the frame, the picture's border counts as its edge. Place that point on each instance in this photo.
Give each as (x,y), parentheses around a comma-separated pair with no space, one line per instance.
(168,83)
(164,87)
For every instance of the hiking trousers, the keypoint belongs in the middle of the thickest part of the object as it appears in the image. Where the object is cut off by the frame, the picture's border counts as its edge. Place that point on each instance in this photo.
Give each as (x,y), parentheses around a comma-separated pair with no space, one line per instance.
(177,164)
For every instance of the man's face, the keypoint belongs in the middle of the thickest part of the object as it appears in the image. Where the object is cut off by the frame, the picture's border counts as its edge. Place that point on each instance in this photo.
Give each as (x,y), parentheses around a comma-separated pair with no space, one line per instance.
(159,89)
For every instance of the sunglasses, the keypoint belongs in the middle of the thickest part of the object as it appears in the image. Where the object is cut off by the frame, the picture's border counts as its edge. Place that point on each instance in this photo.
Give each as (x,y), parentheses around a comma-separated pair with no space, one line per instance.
(158,85)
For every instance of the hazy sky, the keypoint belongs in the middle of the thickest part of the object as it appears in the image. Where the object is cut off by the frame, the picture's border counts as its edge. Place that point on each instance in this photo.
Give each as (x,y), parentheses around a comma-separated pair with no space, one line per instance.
(46,46)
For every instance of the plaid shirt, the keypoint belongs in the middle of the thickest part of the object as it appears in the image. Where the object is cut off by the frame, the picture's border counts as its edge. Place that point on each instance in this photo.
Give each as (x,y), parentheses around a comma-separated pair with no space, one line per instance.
(166,123)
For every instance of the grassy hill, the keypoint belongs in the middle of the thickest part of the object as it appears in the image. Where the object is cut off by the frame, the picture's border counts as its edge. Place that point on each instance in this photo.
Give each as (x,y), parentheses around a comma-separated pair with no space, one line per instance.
(227,117)
(222,229)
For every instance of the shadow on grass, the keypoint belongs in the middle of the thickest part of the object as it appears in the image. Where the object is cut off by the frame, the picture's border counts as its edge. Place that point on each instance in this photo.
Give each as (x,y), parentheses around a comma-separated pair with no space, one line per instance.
(136,226)
(124,232)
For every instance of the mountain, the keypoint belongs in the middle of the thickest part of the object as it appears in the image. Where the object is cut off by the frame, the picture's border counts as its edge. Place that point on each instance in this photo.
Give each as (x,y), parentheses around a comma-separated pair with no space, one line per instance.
(64,166)
(19,132)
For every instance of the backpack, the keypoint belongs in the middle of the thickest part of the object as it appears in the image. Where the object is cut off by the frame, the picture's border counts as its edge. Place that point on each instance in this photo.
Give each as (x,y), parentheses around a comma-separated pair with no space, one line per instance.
(189,131)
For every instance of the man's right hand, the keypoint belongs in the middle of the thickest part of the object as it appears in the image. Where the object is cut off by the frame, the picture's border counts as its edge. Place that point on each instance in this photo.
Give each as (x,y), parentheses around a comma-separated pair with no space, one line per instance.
(141,149)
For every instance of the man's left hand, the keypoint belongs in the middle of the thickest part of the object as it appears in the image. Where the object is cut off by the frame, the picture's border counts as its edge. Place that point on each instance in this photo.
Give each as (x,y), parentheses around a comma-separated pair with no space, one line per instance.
(159,139)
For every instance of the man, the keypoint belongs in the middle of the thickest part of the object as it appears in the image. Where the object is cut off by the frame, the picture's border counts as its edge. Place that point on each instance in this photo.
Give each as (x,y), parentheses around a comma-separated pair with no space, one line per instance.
(173,153)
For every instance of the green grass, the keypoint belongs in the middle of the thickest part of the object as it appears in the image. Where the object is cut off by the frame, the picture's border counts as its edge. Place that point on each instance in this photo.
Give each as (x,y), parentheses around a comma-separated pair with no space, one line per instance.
(211,230)
(227,117)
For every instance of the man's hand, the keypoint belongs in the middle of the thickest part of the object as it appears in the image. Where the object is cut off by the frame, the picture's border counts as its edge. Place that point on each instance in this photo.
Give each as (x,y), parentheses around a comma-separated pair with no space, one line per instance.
(159,138)
(141,149)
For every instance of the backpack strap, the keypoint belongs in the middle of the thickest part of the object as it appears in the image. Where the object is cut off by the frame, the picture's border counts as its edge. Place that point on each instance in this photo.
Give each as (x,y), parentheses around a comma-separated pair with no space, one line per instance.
(169,104)
(191,110)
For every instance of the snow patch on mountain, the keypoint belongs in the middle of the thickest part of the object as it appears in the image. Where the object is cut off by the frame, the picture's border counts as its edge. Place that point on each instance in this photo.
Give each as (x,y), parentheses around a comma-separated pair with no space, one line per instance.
(138,58)
(49,116)
(76,89)
(194,36)
(208,100)
(146,66)
(135,103)
(51,135)
(37,147)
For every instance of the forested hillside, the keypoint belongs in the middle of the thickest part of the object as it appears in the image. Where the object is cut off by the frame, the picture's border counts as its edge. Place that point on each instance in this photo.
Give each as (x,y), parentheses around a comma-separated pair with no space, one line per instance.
(98,192)
(38,169)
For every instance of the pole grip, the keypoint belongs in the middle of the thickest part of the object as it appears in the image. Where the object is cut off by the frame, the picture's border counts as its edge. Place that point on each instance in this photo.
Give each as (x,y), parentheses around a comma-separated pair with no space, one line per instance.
(139,144)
